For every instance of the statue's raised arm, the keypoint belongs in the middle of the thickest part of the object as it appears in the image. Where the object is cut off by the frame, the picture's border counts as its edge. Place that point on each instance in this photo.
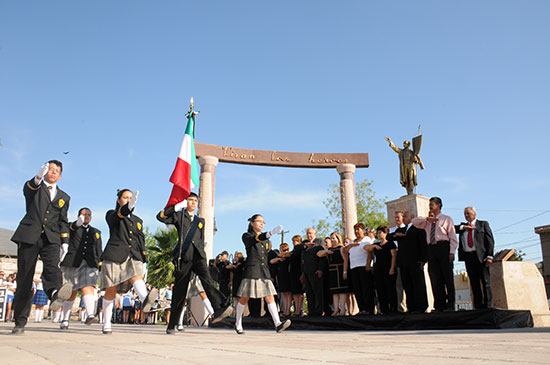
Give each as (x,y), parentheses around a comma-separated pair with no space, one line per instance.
(392,146)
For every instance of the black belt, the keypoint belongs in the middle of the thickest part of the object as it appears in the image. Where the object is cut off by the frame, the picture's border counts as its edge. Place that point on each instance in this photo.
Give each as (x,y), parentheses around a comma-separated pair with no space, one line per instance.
(437,242)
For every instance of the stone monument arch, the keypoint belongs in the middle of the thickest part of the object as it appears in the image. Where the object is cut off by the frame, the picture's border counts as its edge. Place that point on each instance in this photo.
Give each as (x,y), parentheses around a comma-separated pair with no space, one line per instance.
(210,155)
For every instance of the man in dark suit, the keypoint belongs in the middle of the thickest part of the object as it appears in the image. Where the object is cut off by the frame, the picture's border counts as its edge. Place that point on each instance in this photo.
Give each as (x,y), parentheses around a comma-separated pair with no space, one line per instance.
(412,255)
(312,269)
(476,250)
(41,232)
(190,256)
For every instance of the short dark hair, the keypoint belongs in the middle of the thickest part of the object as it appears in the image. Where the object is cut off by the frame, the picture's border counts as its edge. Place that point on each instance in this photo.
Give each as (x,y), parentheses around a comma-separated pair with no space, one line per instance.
(84,208)
(383,229)
(359,225)
(58,163)
(437,200)
(193,194)
(224,253)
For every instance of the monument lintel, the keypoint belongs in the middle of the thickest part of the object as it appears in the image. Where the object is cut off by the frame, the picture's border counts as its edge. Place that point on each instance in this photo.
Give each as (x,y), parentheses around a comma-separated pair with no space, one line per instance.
(279,158)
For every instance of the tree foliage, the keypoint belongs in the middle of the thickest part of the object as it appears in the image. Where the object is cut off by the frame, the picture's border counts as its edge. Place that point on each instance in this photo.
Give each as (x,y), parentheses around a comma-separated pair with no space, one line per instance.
(160,268)
(369,209)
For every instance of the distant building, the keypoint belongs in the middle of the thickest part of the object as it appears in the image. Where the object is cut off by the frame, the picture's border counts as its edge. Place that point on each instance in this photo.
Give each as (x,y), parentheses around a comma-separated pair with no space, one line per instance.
(8,254)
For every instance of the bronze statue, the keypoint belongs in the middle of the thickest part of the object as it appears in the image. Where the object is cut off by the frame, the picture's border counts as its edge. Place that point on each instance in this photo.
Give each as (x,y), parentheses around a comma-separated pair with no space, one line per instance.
(407,160)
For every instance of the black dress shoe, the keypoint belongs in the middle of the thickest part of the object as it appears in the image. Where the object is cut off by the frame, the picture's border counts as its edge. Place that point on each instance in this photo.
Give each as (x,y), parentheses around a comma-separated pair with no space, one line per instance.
(64,325)
(239,331)
(222,313)
(91,319)
(170,331)
(283,326)
(60,296)
(18,330)
(150,300)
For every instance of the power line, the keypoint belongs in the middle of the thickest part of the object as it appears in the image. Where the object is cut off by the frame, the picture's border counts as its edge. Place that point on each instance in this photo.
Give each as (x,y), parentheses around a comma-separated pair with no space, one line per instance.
(526,239)
(521,221)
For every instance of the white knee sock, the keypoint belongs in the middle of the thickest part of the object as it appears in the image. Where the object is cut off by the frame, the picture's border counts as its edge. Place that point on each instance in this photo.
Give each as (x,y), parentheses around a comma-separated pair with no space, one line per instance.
(141,290)
(274,313)
(108,313)
(89,304)
(67,306)
(208,306)
(40,315)
(57,316)
(239,316)
(180,322)
(37,315)
(100,317)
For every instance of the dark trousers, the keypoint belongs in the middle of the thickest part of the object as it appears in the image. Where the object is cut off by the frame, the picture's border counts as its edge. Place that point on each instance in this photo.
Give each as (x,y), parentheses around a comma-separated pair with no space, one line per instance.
(193,262)
(414,284)
(224,288)
(441,275)
(315,294)
(363,288)
(52,278)
(385,289)
(480,281)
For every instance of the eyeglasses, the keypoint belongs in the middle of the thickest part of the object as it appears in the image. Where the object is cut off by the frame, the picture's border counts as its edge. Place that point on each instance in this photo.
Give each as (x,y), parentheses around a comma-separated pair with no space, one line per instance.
(259,222)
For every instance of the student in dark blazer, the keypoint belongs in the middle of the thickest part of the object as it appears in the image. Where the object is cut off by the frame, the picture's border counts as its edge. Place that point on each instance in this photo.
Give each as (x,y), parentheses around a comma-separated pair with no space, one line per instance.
(124,257)
(256,282)
(80,266)
(41,232)
(475,248)
(189,256)
(412,255)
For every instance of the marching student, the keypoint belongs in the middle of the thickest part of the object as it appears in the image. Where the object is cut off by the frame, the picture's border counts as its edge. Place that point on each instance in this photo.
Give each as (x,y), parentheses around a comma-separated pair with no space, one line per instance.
(80,266)
(190,257)
(124,257)
(256,281)
(41,232)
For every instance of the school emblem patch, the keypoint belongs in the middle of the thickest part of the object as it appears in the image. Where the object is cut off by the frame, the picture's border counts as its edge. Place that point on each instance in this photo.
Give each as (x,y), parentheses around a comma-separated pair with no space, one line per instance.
(139,226)
(61,203)
(97,235)
(200,225)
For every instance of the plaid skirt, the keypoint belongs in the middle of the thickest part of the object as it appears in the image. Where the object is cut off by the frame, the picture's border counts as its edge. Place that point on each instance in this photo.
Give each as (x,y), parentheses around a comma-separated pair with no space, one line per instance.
(80,277)
(114,273)
(40,298)
(256,288)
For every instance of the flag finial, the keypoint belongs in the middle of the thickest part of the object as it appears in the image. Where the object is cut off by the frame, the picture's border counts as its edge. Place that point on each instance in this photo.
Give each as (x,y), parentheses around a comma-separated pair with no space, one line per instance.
(192,102)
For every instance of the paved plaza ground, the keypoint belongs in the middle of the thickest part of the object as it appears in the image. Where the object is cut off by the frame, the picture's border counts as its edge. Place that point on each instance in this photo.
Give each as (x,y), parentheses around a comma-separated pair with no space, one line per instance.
(44,343)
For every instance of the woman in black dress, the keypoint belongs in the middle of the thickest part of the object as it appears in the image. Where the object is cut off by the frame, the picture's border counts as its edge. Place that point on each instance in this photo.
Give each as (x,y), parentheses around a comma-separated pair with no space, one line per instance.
(256,281)
(295,269)
(339,287)
(385,272)
(283,277)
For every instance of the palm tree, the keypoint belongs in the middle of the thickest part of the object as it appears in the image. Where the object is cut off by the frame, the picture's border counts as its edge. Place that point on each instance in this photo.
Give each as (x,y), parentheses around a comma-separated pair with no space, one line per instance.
(160,269)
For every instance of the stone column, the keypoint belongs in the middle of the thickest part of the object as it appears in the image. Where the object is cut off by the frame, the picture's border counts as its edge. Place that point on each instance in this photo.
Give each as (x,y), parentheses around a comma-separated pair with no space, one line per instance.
(347,198)
(206,202)
(206,210)
(544,233)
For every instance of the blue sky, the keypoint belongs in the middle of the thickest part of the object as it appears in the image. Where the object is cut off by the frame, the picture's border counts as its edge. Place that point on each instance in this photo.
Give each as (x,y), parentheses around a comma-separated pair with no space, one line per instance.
(111,81)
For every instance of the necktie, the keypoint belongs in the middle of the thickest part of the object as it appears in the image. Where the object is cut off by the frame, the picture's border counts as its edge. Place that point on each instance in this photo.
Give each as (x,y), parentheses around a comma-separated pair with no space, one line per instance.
(432,234)
(471,238)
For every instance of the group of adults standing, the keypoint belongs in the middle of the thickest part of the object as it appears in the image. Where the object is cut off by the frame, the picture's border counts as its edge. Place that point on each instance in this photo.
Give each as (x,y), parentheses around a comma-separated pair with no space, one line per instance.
(382,270)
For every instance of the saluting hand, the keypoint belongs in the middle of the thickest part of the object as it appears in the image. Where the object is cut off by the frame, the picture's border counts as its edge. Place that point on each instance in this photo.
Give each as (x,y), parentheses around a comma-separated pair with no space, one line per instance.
(80,220)
(276,230)
(43,171)
(180,206)
(133,200)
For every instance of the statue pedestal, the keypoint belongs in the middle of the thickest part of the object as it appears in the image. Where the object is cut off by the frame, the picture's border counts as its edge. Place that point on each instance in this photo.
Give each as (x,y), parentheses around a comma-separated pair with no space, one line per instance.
(519,285)
(418,205)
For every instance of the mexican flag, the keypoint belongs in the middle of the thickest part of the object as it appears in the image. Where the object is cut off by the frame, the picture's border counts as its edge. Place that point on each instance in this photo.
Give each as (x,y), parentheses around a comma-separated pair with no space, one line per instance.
(186,173)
